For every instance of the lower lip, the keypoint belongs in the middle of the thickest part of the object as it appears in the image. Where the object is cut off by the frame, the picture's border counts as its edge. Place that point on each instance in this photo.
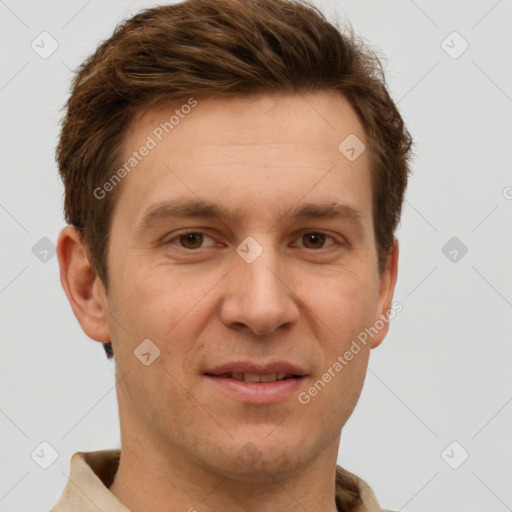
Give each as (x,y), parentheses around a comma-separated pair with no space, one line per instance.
(258,392)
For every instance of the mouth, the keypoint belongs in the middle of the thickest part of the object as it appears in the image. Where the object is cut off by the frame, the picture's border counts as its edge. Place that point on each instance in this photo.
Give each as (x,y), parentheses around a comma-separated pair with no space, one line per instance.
(255,378)
(252,388)
(256,382)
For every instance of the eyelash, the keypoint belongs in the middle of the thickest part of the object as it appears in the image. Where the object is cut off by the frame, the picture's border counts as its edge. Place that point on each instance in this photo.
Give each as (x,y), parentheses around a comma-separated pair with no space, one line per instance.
(184,233)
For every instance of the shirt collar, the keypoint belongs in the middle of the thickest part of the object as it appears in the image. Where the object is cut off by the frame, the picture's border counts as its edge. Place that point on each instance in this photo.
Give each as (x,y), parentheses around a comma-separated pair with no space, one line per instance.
(93,472)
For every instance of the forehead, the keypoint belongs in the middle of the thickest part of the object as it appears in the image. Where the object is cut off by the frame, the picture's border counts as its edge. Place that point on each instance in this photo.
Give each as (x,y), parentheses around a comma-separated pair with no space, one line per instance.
(318,122)
(273,147)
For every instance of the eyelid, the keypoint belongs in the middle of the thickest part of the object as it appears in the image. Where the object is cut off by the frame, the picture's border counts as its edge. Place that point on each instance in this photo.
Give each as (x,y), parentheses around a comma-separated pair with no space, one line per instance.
(186,232)
(337,239)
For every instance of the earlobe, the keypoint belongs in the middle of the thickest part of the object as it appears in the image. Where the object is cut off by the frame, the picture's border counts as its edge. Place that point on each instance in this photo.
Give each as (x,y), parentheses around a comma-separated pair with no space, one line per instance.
(387,285)
(81,285)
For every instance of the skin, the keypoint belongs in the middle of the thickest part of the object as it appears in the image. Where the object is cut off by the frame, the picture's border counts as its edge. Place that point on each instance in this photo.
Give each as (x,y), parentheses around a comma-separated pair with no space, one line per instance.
(303,300)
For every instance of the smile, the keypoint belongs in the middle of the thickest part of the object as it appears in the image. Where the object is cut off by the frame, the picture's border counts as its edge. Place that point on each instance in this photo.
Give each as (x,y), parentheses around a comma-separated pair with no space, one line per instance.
(257,389)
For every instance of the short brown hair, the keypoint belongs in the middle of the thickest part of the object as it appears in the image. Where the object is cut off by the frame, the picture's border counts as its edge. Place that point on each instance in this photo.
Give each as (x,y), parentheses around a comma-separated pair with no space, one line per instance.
(208,48)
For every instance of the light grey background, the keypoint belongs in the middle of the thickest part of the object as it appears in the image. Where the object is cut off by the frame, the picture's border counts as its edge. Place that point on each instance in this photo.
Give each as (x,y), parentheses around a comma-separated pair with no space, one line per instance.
(443,372)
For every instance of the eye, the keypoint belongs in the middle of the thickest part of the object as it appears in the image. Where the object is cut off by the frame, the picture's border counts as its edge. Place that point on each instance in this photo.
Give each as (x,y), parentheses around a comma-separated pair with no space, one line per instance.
(190,240)
(315,240)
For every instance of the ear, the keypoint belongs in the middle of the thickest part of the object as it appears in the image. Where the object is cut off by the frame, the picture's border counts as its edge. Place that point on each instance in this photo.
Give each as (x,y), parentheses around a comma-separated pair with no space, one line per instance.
(386,291)
(83,288)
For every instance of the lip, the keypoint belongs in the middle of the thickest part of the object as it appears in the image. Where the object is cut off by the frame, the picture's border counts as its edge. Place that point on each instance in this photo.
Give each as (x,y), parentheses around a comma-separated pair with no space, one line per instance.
(257,392)
(257,368)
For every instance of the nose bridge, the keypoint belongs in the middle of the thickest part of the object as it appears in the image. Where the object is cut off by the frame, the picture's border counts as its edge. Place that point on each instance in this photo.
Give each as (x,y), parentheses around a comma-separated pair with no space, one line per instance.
(258,297)
(261,275)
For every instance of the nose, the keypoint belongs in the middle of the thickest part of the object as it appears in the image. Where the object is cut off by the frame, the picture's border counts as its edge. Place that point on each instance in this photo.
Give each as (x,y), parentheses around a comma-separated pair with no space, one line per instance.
(258,297)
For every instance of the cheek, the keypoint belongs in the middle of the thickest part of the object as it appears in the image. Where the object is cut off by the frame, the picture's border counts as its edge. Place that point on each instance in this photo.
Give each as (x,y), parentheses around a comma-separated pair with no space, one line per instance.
(166,308)
(150,301)
(344,306)
(333,395)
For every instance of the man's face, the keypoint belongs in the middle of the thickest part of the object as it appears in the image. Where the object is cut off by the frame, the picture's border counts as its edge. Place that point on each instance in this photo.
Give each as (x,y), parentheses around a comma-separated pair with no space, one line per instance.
(298,291)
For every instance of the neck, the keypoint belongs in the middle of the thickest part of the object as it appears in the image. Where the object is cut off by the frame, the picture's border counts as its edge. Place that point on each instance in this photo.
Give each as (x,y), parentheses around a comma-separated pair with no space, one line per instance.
(152,479)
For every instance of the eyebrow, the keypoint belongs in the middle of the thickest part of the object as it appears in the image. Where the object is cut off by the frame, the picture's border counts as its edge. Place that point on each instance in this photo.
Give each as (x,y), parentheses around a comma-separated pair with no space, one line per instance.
(182,208)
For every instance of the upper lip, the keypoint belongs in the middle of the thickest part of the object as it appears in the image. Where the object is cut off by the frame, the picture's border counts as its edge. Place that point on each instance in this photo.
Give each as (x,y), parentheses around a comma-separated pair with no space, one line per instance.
(257,368)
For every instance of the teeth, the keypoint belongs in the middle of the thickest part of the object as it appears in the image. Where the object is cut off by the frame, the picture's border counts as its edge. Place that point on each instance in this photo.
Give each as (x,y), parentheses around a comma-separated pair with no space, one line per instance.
(267,378)
(251,377)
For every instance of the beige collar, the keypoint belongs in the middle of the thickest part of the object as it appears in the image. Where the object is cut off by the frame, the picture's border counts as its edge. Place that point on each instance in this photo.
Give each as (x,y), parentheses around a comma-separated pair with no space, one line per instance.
(93,472)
